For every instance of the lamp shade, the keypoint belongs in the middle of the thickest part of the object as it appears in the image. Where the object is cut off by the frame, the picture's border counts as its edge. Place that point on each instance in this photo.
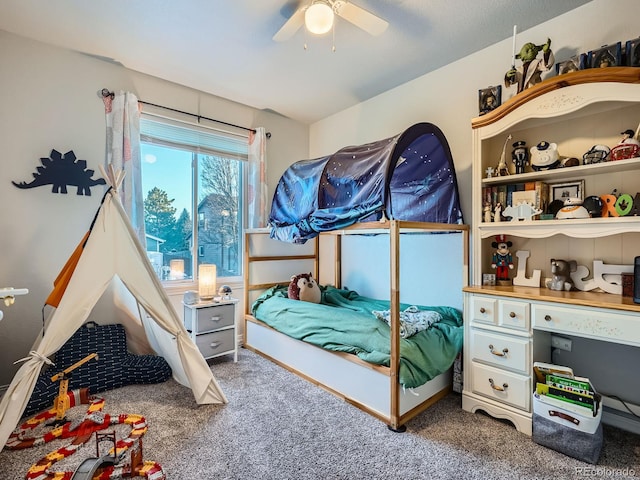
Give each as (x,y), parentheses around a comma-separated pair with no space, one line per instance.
(207,281)
(318,18)
(176,269)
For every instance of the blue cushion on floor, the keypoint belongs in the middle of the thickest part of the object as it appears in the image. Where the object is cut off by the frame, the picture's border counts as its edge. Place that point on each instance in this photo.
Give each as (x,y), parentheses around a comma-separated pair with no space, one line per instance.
(115,366)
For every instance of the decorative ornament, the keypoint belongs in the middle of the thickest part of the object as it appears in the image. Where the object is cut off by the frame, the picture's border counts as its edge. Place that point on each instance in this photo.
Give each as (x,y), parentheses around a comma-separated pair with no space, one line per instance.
(521,277)
(61,171)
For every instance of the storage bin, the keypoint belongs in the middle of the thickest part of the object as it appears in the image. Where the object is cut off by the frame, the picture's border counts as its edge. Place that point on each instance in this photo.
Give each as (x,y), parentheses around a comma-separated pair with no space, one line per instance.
(566,431)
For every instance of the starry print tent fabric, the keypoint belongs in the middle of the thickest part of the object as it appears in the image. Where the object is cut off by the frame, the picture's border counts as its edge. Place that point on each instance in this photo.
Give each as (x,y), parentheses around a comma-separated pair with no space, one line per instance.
(409,176)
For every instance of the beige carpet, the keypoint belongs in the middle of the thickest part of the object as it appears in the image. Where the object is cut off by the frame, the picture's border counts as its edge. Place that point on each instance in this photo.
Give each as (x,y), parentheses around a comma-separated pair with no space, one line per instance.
(278,426)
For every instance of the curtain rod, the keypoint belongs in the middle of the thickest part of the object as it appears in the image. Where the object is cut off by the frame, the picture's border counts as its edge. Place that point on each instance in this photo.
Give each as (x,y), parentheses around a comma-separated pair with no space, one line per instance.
(106,93)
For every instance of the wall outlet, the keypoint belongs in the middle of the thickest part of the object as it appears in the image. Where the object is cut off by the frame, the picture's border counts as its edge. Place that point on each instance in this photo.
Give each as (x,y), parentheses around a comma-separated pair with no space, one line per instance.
(561,342)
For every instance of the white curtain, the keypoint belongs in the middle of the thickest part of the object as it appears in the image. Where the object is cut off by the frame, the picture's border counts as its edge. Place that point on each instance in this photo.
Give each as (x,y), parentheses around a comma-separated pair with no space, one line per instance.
(257,179)
(123,152)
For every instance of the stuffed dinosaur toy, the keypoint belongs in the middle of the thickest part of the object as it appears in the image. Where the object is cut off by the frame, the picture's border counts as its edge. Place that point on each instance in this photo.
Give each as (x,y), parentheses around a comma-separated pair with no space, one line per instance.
(304,287)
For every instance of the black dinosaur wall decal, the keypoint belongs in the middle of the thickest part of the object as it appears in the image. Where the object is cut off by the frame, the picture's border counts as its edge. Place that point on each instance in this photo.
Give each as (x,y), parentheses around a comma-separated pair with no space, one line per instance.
(61,171)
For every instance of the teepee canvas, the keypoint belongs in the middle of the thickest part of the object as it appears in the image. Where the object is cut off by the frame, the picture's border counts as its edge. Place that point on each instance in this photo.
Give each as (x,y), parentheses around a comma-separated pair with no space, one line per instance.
(110,250)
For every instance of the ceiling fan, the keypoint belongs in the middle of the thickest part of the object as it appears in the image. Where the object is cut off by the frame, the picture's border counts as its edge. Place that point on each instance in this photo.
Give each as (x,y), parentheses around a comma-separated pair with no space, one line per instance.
(318,16)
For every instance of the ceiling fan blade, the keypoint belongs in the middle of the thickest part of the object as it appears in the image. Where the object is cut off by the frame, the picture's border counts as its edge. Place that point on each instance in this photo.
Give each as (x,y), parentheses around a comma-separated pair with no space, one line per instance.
(360,17)
(291,26)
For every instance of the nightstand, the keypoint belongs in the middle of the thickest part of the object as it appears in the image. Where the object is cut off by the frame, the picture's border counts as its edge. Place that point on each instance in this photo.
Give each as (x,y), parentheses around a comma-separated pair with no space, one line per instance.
(212,326)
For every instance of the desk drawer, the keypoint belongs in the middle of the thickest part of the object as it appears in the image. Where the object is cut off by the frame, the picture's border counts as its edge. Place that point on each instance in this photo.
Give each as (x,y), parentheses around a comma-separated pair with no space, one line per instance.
(600,324)
(216,343)
(505,387)
(502,351)
(214,317)
(514,314)
(485,309)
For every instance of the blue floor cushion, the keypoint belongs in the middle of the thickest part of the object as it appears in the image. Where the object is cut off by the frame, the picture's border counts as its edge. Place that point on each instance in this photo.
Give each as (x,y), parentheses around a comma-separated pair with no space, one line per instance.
(115,366)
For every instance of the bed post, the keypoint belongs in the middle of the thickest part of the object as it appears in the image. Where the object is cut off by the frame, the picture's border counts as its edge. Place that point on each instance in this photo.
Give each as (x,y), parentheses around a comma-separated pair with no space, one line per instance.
(337,271)
(394,363)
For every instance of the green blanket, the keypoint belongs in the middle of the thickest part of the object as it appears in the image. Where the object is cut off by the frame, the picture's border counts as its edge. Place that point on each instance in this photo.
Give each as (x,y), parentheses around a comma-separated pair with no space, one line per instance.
(343,322)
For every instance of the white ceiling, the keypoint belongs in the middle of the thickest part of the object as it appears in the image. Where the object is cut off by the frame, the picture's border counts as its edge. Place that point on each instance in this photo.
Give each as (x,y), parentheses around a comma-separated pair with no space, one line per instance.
(225,47)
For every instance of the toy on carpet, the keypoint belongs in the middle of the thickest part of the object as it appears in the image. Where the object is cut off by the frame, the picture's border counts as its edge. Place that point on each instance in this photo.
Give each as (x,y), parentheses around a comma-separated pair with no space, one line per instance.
(304,287)
(561,274)
(61,403)
(114,466)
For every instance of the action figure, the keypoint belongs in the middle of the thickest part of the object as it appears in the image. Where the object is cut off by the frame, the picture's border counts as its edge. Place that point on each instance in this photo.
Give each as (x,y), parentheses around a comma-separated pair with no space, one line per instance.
(502,260)
(520,155)
(530,73)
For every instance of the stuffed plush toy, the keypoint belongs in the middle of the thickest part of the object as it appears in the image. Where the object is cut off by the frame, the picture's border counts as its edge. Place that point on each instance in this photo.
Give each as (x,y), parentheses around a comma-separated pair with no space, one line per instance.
(304,287)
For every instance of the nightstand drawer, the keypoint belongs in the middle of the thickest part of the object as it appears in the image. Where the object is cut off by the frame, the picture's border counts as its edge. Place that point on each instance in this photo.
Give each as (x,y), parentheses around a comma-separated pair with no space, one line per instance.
(502,386)
(216,343)
(214,317)
(502,351)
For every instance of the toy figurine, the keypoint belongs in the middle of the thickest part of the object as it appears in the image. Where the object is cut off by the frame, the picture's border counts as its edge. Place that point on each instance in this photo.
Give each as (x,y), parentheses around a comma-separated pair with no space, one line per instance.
(520,155)
(628,147)
(487,212)
(544,156)
(502,260)
(497,213)
(561,274)
(503,169)
(530,73)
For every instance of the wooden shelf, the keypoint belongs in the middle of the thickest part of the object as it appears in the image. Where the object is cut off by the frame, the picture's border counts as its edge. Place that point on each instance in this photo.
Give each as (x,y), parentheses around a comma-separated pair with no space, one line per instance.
(567,173)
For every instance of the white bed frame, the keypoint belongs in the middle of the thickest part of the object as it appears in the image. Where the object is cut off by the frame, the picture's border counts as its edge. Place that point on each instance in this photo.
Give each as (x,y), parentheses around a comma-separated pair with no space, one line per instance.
(372,388)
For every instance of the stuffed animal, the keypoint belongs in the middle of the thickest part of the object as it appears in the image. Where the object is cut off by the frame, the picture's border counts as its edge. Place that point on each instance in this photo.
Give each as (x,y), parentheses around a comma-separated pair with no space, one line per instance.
(304,287)
(561,274)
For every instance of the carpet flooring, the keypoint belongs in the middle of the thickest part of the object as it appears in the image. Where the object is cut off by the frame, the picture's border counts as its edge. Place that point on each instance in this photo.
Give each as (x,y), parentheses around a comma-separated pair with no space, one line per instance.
(278,426)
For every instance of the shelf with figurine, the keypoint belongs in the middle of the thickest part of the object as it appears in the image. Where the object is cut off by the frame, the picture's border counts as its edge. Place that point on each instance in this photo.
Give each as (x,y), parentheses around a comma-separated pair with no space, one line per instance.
(521,201)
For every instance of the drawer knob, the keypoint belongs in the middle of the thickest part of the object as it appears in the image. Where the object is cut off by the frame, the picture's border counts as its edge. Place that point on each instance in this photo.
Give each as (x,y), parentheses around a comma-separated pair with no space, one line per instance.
(482,310)
(499,354)
(547,318)
(512,314)
(215,344)
(215,319)
(498,387)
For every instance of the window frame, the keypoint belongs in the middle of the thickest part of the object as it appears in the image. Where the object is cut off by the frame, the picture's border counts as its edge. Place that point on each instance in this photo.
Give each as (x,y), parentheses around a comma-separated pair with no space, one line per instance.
(195,150)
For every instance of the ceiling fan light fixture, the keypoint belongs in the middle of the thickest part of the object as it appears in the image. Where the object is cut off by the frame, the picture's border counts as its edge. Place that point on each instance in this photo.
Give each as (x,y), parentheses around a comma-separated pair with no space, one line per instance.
(318,18)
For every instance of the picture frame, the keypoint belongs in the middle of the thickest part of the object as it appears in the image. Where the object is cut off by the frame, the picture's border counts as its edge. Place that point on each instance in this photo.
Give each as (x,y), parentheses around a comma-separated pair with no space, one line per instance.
(607,56)
(562,191)
(568,66)
(632,53)
(489,99)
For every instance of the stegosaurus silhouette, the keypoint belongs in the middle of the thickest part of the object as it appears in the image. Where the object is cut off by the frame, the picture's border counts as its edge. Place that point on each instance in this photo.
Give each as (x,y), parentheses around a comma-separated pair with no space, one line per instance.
(61,170)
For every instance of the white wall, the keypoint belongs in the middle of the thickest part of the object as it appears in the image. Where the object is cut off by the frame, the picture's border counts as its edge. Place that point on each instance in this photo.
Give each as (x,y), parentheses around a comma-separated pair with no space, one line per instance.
(448,98)
(49,101)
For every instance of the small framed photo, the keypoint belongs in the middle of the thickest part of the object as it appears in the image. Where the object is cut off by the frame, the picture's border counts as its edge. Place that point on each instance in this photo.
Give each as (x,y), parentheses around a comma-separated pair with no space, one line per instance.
(488,279)
(571,65)
(632,53)
(607,56)
(489,99)
(562,191)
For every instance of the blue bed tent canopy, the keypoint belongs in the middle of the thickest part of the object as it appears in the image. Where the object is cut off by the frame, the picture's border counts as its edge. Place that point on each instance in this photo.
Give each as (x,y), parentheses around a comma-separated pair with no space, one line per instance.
(409,176)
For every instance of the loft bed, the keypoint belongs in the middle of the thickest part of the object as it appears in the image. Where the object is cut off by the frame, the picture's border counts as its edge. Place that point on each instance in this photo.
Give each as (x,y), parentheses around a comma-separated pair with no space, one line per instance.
(404,229)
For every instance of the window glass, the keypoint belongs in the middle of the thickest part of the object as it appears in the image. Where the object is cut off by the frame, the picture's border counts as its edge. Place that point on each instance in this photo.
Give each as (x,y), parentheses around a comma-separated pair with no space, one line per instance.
(186,168)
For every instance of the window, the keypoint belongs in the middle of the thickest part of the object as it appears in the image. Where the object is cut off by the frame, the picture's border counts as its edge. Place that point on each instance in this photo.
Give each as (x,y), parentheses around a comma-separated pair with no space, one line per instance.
(185,169)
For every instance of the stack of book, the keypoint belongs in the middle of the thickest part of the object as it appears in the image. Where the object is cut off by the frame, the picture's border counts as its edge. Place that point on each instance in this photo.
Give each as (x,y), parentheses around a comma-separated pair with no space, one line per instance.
(557,385)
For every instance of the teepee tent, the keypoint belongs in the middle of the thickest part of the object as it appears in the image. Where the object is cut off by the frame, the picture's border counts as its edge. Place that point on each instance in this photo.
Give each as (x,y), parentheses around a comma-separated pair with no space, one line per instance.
(110,250)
